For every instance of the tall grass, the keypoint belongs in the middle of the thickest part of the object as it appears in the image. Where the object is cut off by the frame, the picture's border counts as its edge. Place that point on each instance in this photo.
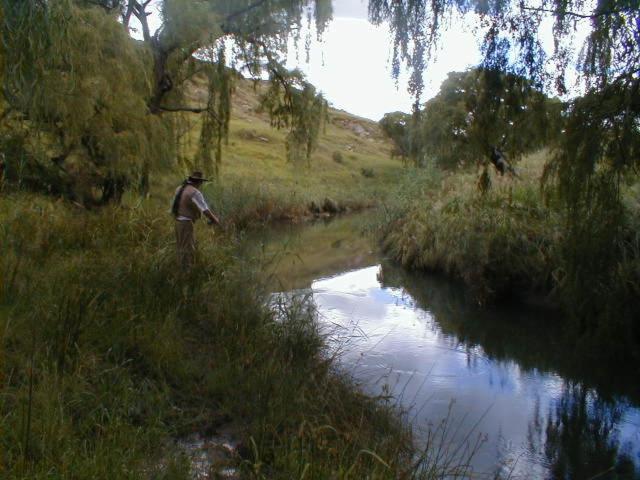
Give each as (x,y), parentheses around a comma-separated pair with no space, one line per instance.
(500,243)
(514,241)
(108,353)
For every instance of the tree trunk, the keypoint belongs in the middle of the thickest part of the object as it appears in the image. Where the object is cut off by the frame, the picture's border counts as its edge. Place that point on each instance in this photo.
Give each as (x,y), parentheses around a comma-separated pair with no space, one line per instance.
(162,81)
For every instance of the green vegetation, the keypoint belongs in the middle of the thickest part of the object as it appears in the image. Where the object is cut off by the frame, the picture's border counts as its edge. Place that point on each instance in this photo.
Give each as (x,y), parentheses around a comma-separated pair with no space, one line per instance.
(88,112)
(579,239)
(499,243)
(512,241)
(398,127)
(257,183)
(108,354)
(474,112)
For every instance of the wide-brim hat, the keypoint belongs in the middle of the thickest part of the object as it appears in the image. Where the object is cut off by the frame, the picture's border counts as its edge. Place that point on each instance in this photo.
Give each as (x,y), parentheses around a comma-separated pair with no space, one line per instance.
(197,177)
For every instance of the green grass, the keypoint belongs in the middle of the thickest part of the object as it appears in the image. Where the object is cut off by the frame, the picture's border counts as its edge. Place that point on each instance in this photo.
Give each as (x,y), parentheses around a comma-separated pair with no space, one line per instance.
(499,244)
(108,354)
(506,242)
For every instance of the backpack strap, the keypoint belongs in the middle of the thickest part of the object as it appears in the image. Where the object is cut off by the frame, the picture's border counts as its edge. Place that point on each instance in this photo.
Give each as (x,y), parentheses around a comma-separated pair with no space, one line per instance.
(176,201)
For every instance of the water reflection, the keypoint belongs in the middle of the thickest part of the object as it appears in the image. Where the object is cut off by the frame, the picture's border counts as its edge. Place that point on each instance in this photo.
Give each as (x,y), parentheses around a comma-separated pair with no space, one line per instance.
(504,377)
(534,338)
(581,437)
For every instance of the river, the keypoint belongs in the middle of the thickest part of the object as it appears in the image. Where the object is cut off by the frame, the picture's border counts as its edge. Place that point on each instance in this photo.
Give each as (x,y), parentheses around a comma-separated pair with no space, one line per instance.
(498,387)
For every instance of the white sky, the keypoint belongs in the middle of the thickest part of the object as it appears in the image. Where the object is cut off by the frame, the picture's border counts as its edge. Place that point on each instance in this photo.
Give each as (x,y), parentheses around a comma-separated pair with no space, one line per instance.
(352,65)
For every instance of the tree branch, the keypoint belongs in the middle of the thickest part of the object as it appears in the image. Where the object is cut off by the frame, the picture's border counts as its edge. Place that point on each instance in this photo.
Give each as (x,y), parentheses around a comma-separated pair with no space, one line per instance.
(139,11)
(183,109)
(247,9)
(590,16)
(126,17)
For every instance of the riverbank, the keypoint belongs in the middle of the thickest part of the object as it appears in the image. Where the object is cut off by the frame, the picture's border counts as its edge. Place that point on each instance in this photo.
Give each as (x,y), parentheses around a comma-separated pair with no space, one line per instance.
(505,374)
(108,354)
(512,243)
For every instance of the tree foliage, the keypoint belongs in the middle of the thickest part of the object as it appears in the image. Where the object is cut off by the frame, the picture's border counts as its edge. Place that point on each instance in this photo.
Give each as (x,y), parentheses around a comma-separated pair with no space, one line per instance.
(479,109)
(474,112)
(397,126)
(609,62)
(74,116)
(85,108)
(295,105)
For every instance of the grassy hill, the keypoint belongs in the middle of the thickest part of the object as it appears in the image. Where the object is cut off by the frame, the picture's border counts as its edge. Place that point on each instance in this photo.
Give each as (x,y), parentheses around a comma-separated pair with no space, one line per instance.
(351,164)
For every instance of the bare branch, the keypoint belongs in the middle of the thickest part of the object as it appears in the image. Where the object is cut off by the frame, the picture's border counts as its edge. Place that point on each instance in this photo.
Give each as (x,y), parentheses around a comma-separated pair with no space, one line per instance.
(126,17)
(184,109)
(590,16)
(139,11)
(245,10)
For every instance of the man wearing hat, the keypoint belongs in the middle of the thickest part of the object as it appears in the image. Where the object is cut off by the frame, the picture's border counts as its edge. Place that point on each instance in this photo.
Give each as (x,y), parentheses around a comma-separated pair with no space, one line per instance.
(187,207)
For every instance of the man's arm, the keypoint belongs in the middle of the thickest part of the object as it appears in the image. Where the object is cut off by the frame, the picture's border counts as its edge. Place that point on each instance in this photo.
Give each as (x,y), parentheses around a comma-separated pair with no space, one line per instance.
(212,218)
(200,202)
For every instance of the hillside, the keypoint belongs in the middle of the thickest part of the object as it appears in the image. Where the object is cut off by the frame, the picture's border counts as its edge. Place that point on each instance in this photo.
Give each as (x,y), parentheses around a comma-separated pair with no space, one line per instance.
(351,165)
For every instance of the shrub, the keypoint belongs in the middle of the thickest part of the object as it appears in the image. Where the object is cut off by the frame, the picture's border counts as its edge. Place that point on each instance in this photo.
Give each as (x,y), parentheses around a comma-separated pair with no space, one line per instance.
(367,172)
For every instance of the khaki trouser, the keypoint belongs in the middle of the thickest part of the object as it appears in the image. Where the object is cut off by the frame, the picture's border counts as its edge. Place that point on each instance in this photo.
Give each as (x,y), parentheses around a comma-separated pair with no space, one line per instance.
(185,245)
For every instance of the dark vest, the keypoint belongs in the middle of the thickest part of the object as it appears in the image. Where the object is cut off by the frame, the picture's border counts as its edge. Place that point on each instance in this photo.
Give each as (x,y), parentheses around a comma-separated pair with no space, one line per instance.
(186,207)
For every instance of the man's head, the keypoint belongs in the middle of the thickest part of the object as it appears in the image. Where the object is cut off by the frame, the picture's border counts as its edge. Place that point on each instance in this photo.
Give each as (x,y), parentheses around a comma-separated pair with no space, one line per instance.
(196,179)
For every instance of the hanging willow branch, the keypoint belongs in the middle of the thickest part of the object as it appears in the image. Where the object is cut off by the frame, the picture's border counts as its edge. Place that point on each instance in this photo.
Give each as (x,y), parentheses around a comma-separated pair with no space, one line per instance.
(215,122)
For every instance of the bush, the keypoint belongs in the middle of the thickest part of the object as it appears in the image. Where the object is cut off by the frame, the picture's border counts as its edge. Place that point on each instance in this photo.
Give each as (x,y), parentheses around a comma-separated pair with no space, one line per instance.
(367,172)
(337,157)
(501,243)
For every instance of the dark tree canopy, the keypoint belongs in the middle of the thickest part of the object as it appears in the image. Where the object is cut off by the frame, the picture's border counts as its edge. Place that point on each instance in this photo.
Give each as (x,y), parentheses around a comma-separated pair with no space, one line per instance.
(397,126)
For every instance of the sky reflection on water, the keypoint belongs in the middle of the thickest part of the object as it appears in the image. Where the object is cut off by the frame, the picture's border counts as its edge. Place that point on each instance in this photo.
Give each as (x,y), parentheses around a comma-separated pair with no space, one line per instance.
(505,375)
(396,344)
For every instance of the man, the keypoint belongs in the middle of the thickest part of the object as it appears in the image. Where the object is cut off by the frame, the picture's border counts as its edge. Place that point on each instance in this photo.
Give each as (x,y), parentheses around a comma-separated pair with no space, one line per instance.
(188,206)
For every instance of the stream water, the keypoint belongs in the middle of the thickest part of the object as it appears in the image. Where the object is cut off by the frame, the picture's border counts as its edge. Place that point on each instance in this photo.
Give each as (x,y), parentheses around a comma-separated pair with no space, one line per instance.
(500,384)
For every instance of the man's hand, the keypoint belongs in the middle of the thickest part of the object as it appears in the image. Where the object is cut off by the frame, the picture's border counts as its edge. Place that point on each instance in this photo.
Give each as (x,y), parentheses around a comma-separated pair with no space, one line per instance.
(212,219)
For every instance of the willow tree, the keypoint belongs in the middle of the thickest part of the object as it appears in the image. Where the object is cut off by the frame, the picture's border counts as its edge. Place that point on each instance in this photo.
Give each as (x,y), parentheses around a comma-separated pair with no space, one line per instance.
(258,34)
(481,109)
(600,145)
(87,109)
(74,116)
(609,64)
